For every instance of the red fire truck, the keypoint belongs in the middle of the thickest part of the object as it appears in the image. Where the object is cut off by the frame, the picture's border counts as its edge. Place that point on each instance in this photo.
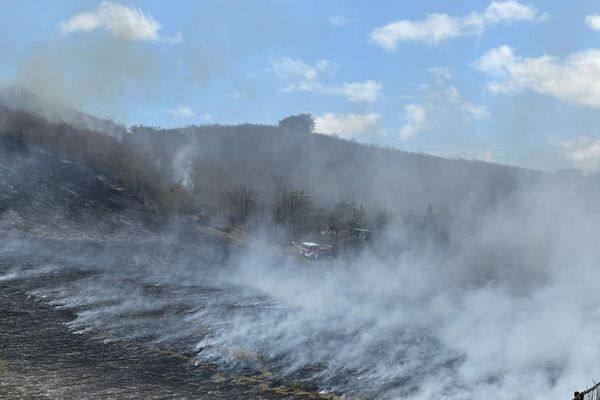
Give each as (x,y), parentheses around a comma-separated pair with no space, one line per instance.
(314,250)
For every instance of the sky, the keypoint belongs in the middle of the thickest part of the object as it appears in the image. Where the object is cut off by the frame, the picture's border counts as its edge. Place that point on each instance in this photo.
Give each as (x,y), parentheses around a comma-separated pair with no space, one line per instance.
(512,82)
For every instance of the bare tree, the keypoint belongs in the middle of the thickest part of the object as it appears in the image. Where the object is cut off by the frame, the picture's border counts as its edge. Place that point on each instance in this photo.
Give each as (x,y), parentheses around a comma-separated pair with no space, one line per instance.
(240,200)
(382,218)
(291,208)
(347,215)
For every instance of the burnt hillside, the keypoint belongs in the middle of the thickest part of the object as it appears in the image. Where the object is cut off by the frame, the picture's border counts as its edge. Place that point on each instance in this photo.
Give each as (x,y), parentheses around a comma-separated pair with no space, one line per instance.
(192,169)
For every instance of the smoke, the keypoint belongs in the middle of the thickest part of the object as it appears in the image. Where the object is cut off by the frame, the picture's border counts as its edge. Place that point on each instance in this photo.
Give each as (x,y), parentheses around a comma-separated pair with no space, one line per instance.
(505,307)
(182,166)
(94,72)
(509,309)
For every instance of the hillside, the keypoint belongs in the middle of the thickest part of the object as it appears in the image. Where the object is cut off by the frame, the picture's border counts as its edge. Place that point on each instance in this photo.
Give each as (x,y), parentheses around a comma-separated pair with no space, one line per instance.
(197,168)
(329,168)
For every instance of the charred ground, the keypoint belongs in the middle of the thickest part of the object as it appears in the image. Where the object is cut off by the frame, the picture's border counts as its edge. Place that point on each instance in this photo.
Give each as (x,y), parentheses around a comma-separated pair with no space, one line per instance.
(67,212)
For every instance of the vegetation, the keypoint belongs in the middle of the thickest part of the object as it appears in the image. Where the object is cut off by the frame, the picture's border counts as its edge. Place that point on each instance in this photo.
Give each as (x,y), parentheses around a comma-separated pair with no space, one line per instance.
(100,150)
(292,209)
(303,123)
(262,177)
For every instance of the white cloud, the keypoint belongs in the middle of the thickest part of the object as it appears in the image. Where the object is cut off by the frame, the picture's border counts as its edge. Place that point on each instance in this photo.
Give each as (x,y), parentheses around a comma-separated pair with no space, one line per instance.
(440,104)
(496,60)
(593,21)
(121,21)
(433,29)
(300,76)
(474,111)
(346,125)
(415,119)
(438,27)
(295,68)
(356,92)
(206,117)
(449,97)
(367,91)
(177,38)
(582,152)
(509,11)
(338,20)
(181,112)
(441,73)
(576,79)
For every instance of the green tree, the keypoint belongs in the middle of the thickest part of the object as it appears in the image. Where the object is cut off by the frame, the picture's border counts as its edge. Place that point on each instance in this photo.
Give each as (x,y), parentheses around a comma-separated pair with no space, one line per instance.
(298,123)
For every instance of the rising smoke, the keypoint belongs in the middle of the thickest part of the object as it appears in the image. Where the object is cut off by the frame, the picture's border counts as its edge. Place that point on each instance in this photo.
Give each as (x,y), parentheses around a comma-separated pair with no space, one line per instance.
(506,308)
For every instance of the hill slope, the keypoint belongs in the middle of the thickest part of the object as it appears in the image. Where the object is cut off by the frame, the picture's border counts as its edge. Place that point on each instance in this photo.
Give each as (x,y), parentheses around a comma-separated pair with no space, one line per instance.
(195,168)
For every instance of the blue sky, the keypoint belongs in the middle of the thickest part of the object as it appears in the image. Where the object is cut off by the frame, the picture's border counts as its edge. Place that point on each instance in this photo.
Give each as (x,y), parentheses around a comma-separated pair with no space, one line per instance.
(505,81)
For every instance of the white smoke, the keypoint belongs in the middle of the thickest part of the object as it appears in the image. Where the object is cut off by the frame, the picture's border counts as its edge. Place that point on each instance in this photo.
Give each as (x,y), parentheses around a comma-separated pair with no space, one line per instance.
(508,308)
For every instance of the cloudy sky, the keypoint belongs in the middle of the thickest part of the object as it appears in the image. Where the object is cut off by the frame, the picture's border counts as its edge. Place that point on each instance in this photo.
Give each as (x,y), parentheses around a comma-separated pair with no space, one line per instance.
(505,81)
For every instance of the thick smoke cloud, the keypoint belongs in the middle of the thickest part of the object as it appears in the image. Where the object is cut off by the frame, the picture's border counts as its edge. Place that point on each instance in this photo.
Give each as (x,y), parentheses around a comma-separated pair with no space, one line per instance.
(91,72)
(507,308)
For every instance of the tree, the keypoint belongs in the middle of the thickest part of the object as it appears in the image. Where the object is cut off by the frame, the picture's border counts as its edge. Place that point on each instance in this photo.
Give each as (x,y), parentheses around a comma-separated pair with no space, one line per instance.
(434,226)
(298,123)
(240,200)
(291,208)
(346,215)
(429,220)
(18,97)
(382,218)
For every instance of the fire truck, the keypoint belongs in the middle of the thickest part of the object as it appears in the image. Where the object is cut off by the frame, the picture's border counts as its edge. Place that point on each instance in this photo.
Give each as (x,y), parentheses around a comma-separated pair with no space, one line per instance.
(314,250)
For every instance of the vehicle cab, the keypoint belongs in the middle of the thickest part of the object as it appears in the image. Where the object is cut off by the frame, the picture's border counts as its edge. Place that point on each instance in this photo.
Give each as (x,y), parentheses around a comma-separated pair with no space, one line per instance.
(314,250)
